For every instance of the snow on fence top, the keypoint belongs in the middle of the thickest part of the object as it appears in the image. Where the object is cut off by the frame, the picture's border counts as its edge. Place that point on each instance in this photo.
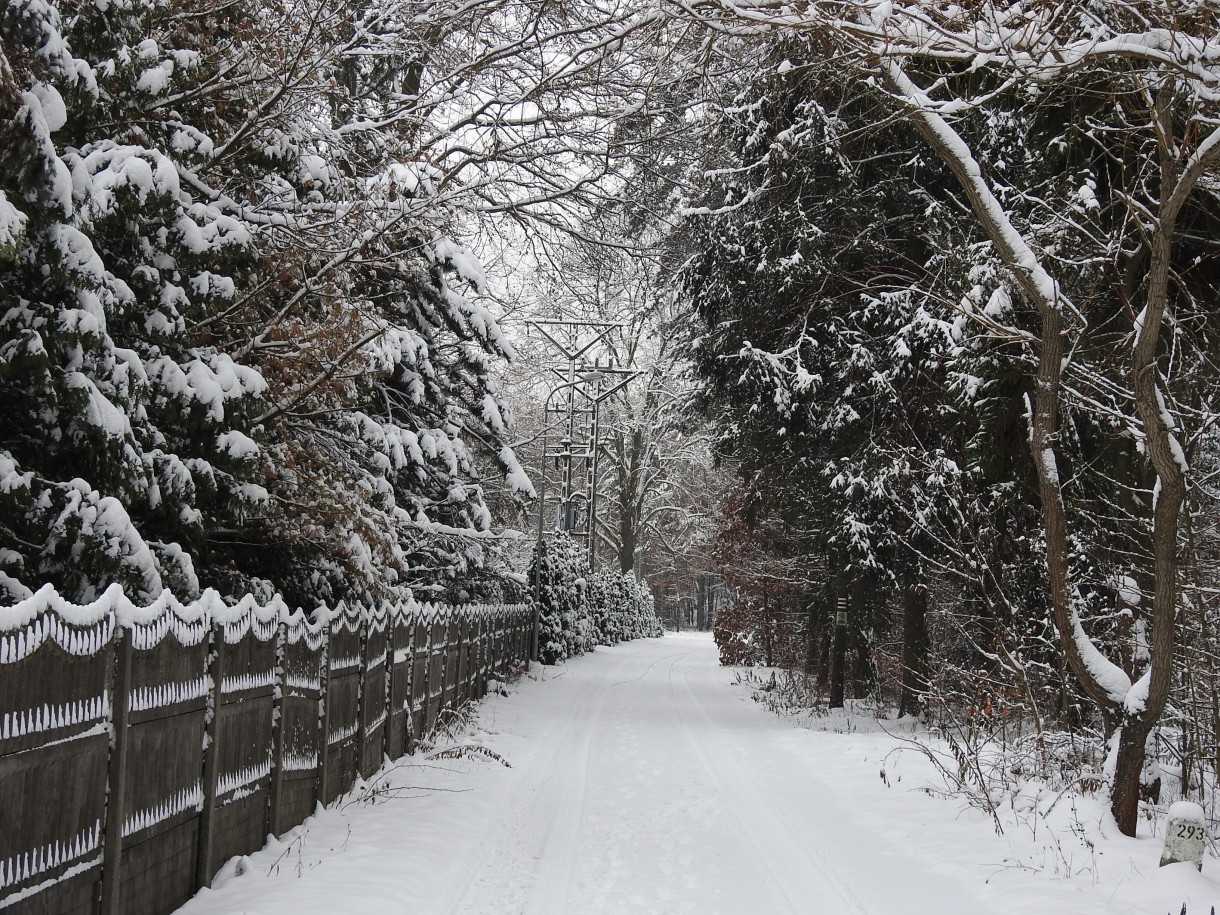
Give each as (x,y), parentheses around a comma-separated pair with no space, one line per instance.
(85,629)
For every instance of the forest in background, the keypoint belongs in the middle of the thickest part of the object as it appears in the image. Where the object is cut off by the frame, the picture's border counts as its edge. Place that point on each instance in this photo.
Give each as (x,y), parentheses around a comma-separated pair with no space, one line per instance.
(933,286)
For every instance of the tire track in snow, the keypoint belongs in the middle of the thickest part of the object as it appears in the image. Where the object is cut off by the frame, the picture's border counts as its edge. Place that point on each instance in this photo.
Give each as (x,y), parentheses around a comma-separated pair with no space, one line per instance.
(673,659)
(529,868)
(552,886)
(772,841)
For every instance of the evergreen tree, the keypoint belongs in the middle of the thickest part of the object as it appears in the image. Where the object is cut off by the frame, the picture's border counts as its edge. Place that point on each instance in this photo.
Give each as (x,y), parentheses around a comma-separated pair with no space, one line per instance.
(559,574)
(129,439)
(244,350)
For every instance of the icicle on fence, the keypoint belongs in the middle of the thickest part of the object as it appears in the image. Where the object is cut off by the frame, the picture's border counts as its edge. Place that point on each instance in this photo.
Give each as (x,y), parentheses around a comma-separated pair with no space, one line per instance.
(141,747)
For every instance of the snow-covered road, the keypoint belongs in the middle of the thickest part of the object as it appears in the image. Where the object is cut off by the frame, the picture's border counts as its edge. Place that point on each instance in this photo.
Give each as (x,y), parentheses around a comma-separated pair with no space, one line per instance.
(655,789)
(643,781)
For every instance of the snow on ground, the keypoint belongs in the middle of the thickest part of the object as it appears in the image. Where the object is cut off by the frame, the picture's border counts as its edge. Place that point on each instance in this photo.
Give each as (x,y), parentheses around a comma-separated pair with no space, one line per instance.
(641,780)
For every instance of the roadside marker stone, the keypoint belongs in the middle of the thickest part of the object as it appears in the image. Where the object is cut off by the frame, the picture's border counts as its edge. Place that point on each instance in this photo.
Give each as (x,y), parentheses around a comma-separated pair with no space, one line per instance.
(1185,835)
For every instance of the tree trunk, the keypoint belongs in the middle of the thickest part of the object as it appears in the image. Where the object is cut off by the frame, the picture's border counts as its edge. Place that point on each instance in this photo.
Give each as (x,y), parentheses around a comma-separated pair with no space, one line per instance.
(1164,452)
(1028,272)
(1043,292)
(1129,767)
(824,653)
(768,648)
(838,662)
(811,639)
(914,647)
(630,453)
(864,673)
(628,534)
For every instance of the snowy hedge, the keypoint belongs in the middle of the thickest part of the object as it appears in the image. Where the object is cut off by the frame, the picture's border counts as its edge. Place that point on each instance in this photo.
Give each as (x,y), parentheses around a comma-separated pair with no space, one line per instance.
(579,610)
(623,608)
(565,616)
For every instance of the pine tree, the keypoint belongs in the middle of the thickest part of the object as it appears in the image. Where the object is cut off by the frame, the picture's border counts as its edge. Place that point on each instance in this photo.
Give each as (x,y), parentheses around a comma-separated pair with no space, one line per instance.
(129,434)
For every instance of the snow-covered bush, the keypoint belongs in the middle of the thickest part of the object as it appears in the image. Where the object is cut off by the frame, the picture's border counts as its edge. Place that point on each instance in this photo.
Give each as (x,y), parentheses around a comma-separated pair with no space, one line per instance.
(566,625)
(605,595)
(734,632)
(623,608)
(580,610)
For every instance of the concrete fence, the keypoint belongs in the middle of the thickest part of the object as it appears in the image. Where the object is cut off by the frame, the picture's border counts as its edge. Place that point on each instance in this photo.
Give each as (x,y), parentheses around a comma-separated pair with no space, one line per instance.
(141,747)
